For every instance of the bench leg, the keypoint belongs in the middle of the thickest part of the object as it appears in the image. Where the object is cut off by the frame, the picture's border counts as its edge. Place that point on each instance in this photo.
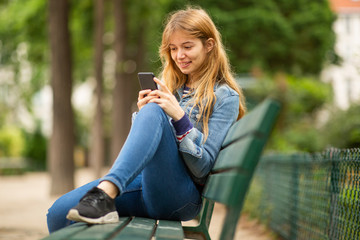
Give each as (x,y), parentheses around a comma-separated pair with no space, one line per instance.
(201,231)
(230,223)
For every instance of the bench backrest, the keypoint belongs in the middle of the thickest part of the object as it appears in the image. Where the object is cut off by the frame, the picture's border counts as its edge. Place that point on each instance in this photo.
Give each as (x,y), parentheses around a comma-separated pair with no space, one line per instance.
(236,162)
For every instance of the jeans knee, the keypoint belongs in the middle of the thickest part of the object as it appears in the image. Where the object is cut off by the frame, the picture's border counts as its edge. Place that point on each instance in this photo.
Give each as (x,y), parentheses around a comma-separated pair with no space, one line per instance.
(153,109)
(52,217)
(56,216)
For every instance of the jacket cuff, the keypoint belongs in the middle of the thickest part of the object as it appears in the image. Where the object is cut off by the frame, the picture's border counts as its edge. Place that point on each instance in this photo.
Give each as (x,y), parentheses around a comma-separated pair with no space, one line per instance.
(182,127)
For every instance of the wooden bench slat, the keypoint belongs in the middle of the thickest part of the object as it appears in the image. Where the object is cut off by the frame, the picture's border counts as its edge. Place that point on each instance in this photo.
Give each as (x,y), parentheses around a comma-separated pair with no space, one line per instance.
(67,232)
(169,230)
(138,228)
(260,120)
(228,188)
(100,231)
(242,154)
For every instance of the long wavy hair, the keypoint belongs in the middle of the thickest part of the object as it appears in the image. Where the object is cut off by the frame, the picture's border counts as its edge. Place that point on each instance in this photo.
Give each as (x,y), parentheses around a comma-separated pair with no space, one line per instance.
(215,69)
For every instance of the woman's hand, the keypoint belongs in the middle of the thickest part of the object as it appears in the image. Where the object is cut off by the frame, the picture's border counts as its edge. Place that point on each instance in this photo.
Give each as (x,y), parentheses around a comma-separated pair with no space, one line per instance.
(144,98)
(167,101)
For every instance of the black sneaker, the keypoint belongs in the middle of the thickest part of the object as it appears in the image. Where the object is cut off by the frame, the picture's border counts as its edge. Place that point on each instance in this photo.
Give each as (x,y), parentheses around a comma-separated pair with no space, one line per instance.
(96,207)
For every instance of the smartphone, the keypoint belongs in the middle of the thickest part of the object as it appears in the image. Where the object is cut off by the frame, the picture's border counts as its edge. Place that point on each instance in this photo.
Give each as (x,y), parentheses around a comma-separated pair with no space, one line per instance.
(146,80)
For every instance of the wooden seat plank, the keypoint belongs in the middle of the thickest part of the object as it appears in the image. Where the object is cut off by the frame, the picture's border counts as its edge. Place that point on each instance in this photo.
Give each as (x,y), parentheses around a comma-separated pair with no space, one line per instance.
(67,232)
(169,230)
(100,231)
(138,228)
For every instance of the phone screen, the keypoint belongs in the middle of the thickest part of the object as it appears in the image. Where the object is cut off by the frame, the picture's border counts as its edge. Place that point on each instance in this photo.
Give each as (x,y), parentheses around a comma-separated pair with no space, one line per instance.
(146,80)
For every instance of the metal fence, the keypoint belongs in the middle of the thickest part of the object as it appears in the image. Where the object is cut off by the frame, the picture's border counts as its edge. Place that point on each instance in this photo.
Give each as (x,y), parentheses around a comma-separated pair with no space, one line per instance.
(310,196)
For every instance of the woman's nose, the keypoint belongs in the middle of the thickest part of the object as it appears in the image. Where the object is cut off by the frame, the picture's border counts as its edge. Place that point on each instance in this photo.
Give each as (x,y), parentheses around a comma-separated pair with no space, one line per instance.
(180,54)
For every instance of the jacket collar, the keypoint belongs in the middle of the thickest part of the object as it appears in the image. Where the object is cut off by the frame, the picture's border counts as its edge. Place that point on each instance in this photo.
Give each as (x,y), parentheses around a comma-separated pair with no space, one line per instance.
(180,91)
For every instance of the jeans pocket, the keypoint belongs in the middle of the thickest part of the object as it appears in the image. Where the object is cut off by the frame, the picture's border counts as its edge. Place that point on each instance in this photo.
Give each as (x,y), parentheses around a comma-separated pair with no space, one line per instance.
(187,212)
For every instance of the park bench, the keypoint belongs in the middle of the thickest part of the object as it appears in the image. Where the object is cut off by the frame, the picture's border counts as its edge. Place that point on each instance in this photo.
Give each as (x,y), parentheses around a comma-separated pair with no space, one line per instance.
(227,184)
(12,166)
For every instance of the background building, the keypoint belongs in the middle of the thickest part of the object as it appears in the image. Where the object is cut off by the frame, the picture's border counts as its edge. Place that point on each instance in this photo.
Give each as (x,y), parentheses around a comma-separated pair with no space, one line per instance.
(345,78)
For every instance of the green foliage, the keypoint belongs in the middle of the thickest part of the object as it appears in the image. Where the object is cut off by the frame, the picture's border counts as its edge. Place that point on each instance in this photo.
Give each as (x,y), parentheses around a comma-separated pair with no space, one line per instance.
(300,136)
(35,149)
(11,142)
(144,25)
(343,128)
(81,27)
(23,21)
(276,35)
(82,128)
(306,96)
(254,197)
(26,22)
(23,49)
(15,143)
(349,199)
(301,98)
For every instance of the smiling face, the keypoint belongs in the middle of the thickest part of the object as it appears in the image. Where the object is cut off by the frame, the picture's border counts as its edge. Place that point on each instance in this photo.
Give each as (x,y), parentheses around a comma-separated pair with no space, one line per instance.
(188,52)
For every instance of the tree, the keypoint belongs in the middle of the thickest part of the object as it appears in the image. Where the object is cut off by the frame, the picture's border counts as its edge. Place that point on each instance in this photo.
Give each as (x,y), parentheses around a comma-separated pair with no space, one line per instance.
(62,139)
(120,110)
(275,35)
(97,133)
(132,25)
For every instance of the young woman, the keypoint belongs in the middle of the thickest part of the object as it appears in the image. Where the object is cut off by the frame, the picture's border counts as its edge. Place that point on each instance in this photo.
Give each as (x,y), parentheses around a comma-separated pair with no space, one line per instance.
(175,137)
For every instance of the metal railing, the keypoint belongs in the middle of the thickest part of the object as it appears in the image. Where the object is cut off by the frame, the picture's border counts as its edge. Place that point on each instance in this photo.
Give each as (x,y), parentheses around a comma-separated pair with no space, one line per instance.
(310,196)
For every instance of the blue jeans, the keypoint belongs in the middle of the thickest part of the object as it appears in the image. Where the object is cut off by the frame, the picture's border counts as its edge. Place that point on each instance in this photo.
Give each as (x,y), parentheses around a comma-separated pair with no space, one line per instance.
(149,172)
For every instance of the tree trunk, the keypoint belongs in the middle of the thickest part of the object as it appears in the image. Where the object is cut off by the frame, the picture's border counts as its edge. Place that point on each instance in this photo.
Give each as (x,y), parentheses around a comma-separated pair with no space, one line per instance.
(122,92)
(97,133)
(61,151)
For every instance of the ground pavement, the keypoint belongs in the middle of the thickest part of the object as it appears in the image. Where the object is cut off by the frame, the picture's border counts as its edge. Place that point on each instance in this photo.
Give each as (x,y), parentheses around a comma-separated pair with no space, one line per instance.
(24,201)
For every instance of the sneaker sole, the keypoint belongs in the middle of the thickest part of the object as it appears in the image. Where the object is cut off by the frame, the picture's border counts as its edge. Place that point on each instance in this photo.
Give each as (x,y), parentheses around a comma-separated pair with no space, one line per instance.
(111,217)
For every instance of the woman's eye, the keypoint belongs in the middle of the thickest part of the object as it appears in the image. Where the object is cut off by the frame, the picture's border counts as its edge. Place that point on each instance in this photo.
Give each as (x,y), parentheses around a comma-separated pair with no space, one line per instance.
(187,47)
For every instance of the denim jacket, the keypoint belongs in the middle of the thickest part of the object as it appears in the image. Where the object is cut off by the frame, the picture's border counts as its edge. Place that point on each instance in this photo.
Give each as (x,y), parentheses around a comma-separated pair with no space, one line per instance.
(199,156)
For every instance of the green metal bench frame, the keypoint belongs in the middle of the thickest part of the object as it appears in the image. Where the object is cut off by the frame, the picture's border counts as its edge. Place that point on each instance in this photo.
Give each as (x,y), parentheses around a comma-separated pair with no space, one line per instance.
(227,184)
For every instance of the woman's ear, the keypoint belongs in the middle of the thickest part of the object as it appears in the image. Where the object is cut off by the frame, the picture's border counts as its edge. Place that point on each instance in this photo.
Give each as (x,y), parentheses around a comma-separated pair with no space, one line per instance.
(209,44)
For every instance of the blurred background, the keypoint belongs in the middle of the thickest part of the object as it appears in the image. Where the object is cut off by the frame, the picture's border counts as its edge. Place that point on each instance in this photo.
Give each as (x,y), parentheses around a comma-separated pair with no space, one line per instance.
(68,76)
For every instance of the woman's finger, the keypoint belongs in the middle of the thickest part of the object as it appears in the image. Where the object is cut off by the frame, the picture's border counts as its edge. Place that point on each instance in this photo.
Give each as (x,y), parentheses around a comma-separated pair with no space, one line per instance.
(143,93)
(162,85)
(143,101)
(159,101)
(159,93)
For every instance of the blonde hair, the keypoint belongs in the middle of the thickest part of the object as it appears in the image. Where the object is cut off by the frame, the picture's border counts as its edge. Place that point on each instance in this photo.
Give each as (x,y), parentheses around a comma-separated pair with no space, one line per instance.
(215,69)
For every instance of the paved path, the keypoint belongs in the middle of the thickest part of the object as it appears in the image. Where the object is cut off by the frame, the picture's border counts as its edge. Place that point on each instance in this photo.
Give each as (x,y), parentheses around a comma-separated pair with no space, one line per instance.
(24,201)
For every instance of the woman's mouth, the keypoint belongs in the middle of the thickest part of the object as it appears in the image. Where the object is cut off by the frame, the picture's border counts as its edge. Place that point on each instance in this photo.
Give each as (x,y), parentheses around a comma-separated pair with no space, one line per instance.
(184,64)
